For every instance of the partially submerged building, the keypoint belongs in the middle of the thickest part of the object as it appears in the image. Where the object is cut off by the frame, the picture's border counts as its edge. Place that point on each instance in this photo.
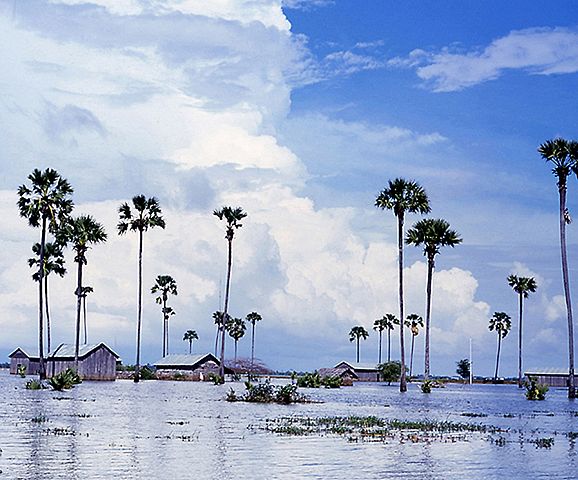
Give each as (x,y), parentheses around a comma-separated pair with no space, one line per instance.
(95,362)
(553,377)
(199,367)
(365,372)
(343,373)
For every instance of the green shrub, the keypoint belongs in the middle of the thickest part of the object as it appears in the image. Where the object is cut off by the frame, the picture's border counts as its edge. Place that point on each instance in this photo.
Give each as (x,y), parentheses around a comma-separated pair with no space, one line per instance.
(332,382)
(216,379)
(65,380)
(390,371)
(309,380)
(21,370)
(35,385)
(535,390)
(426,386)
(147,373)
(267,393)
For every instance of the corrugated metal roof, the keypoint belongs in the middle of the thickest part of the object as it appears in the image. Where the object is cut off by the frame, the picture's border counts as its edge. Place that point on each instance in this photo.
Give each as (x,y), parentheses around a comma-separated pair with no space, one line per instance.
(546,371)
(175,360)
(358,366)
(67,350)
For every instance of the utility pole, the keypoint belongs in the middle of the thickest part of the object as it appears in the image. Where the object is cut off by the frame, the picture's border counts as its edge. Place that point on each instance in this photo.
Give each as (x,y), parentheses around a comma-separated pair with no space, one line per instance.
(471,364)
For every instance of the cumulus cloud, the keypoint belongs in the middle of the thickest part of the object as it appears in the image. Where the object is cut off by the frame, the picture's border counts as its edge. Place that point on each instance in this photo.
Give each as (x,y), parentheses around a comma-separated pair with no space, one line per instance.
(537,51)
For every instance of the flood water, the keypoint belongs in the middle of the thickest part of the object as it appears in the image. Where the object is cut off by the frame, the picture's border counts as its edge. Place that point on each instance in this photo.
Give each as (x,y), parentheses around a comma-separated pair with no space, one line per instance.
(177,430)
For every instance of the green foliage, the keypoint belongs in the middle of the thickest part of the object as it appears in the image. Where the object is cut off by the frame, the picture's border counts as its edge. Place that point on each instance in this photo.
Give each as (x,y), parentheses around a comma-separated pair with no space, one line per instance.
(39,419)
(35,385)
(547,442)
(309,380)
(332,382)
(21,370)
(65,380)
(147,373)
(267,393)
(426,386)
(535,390)
(216,379)
(390,371)
(463,369)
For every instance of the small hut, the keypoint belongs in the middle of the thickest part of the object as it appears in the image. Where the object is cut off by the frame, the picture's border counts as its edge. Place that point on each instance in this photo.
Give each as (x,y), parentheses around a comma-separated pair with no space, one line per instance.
(19,358)
(366,372)
(198,367)
(553,377)
(95,362)
(343,373)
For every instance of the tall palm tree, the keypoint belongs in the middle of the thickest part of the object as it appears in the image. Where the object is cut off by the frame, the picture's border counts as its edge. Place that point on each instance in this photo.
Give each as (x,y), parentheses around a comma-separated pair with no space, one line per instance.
(82,232)
(53,263)
(523,286)
(236,329)
(84,293)
(501,323)
(46,203)
(402,197)
(564,156)
(432,234)
(165,285)
(253,318)
(386,322)
(189,336)
(413,322)
(356,333)
(146,215)
(232,217)
(218,320)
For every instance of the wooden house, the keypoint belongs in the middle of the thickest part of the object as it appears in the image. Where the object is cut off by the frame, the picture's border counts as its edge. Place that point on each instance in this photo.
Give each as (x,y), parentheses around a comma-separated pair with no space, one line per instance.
(553,377)
(343,373)
(198,367)
(366,372)
(19,358)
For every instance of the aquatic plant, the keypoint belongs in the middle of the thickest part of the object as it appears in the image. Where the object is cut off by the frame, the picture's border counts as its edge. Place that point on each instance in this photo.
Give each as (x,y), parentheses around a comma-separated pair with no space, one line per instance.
(267,393)
(35,385)
(543,442)
(535,390)
(309,380)
(65,380)
(39,419)
(426,386)
(216,379)
(21,370)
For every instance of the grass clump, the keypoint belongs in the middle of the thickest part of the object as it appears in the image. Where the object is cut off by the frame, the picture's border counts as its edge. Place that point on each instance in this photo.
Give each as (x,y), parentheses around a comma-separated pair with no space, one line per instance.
(543,442)
(267,393)
(65,380)
(21,370)
(535,390)
(35,385)
(426,386)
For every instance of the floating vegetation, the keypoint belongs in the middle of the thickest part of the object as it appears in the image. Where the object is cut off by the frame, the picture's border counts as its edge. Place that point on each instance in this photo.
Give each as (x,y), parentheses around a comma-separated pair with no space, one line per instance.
(39,419)
(535,390)
(60,431)
(572,435)
(375,429)
(509,415)
(267,393)
(179,422)
(474,415)
(543,442)
(65,380)
(35,385)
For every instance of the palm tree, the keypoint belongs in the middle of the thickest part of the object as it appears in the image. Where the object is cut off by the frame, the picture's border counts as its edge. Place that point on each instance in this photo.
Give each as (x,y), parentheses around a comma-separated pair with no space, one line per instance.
(147,214)
(501,323)
(46,203)
(523,286)
(432,234)
(402,196)
(564,156)
(413,322)
(236,328)
(357,333)
(189,336)
(218,320)
(232,217)
(253,318)
(82,232)
(84,293)
(53,263)
(165,285)
(386,322)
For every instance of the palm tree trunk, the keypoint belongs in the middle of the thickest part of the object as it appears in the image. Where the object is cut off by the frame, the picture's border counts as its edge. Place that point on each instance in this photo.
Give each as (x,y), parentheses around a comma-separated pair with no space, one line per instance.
(388,345)
(411,356)
(190,346)
(139,312)
(217,339)
(164,328)
(357,350)
(430,269)
(84,311)
(41,365)
(78,307)
(235,351)
(403,379)
(379,362)
(571,386)
(498,356)
(168,335)
(520,384)
(48,343)
(226,309)
(252,345)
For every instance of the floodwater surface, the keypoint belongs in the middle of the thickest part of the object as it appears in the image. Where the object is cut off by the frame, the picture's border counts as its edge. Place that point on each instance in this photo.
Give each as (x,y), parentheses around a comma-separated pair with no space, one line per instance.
(180,430)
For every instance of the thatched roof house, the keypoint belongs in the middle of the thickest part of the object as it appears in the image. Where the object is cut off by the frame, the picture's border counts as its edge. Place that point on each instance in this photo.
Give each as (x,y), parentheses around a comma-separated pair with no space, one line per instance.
(199,367)
(342,373)
(95,362)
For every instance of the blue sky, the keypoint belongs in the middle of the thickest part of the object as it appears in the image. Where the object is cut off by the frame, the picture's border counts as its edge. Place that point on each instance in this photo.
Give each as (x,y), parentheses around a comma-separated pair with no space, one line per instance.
(300,114)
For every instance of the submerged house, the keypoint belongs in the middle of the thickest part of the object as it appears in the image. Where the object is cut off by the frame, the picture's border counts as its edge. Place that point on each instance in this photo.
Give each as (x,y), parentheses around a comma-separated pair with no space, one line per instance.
(553,377)
(343,373)
(199,367)
(95,362)
(366,372)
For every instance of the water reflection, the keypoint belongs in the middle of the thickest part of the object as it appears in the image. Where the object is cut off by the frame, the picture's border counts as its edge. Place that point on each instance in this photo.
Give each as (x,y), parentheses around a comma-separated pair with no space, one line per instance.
(159,430)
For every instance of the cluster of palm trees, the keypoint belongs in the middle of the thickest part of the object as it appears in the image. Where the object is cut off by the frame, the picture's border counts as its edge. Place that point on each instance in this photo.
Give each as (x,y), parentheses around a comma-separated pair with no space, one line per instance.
(236,328)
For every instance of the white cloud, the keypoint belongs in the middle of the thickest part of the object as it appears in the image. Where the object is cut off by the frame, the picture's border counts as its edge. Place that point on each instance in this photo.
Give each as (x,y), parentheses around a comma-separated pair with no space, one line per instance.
(538,51)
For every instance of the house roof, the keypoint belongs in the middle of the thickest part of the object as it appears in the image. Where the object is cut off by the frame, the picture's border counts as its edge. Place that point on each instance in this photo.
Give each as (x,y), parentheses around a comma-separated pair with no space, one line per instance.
(65,350)
(336,372)
(19,350)
(191,361)
(358,367)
